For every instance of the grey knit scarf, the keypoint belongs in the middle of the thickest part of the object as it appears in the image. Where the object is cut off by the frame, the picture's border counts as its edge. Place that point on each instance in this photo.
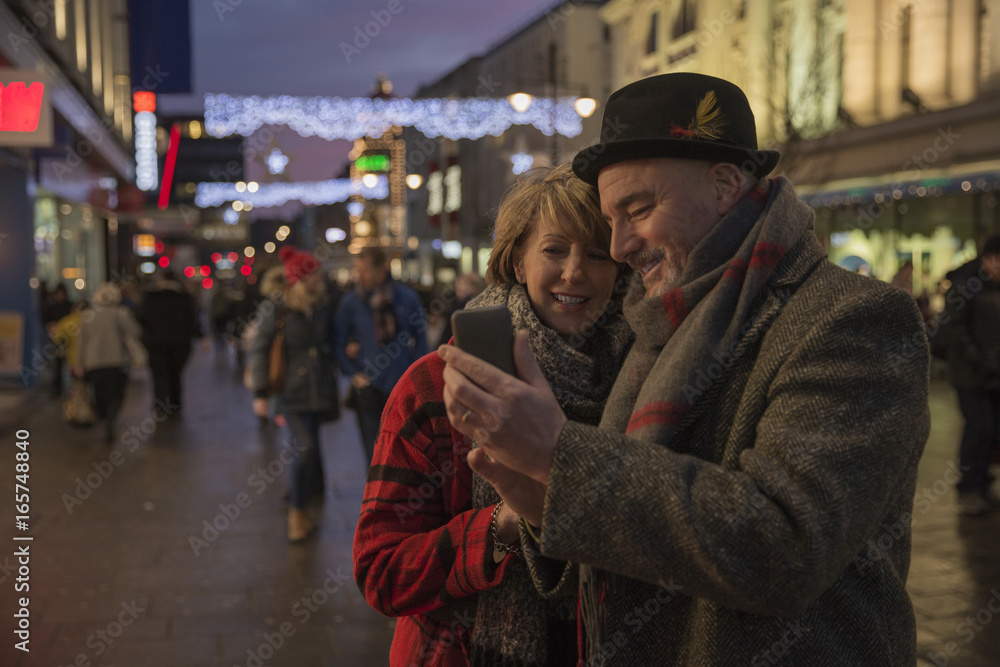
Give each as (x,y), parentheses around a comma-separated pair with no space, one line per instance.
(691,331)
(514,626)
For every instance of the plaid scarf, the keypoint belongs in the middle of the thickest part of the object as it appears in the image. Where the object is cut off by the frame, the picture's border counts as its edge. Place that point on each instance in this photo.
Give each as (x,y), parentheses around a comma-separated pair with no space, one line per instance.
(686,338)
(379,300)
(515,626)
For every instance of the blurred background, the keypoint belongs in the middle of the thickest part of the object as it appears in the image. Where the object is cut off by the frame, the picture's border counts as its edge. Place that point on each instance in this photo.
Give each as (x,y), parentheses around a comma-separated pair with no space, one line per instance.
(140,135)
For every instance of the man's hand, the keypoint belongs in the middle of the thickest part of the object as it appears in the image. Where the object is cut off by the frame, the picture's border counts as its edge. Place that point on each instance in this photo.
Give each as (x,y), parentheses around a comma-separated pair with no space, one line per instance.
(359,380)
(523,495)
(516,422)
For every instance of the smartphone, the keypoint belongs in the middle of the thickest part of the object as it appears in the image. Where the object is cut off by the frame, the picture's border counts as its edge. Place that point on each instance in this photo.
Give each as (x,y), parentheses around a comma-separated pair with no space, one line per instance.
(488,334)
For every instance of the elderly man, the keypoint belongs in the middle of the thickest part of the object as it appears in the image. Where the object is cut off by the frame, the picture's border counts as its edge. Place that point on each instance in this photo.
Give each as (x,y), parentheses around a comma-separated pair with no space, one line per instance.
(746,499)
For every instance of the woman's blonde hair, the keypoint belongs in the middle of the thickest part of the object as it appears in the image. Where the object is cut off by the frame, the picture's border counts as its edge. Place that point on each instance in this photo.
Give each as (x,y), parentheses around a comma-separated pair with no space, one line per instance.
(554,195)
(298,297)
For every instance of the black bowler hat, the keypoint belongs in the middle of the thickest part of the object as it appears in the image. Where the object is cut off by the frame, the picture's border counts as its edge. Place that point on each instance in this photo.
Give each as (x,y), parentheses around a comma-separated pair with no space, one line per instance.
(680,115)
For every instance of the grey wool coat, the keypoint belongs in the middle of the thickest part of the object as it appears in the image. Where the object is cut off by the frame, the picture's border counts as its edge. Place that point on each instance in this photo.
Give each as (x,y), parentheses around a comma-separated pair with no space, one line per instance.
(776,527)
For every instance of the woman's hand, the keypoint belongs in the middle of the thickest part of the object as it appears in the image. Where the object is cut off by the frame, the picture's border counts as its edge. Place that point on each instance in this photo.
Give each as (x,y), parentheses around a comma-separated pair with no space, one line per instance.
(522,495)
(507,525)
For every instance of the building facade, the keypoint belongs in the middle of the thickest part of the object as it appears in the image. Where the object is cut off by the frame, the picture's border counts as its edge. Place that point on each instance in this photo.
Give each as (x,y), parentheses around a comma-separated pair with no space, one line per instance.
(885,111)
(60,191)
(561,53)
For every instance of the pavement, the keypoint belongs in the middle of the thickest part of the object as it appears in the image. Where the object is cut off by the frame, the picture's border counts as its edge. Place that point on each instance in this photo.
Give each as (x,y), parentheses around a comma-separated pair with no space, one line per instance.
(167,547)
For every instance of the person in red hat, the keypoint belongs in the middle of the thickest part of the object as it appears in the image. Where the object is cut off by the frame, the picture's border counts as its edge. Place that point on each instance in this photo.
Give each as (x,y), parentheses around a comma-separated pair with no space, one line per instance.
(302,314)
(747,497)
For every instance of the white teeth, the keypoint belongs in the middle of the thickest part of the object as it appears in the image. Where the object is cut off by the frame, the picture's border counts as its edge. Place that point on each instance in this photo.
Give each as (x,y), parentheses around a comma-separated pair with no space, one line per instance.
(649,267)
(569,300)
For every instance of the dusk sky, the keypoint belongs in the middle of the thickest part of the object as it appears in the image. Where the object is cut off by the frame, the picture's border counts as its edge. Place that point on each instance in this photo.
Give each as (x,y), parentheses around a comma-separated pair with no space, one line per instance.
(266,47)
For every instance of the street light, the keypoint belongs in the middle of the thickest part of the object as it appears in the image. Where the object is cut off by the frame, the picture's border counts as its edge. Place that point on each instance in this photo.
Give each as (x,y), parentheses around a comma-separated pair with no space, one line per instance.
(584,105)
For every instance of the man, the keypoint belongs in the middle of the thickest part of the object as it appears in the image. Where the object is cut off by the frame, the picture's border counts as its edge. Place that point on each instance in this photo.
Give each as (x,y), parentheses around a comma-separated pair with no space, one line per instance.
(169,319)
(747,497)
(379,330)
(970,324)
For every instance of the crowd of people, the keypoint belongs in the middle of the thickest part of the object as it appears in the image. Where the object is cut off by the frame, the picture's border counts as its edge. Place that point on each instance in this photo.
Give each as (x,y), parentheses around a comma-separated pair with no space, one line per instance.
(707,414)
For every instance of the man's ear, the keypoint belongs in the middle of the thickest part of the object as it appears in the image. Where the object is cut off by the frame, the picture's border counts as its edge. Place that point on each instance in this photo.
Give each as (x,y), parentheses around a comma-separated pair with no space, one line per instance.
(729,182)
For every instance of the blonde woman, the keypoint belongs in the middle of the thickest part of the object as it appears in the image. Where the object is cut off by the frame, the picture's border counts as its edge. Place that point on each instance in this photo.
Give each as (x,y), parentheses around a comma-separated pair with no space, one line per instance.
(434,544)
(304,316)
(108,331)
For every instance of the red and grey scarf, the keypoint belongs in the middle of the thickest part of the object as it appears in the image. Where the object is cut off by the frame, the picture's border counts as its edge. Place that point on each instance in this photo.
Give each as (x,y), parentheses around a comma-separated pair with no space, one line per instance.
(693,329)
(686,338)
(380,302)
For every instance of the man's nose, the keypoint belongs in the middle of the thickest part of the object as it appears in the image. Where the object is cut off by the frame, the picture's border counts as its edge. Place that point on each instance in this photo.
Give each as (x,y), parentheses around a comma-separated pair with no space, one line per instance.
(623,242)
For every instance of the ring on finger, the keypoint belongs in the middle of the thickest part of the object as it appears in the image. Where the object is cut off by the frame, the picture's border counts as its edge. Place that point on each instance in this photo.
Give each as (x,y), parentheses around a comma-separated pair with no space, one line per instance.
(465,416)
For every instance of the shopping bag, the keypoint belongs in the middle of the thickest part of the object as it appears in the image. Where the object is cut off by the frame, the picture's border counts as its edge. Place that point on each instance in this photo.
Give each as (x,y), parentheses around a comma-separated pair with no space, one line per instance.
(78,409)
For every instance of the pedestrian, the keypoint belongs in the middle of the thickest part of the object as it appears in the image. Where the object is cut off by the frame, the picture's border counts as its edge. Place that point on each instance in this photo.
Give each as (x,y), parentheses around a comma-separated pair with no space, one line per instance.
(108,334)
(467,286)
(55,307)
(550,266)
(379,331)
(303,315)
(66,333)
(764,431)
(170,322)
(971,331)
(221,309)
(904,278)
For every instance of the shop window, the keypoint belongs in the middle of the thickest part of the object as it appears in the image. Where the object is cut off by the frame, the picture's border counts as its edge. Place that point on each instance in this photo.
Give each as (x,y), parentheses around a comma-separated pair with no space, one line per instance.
(686,19)
(654,21)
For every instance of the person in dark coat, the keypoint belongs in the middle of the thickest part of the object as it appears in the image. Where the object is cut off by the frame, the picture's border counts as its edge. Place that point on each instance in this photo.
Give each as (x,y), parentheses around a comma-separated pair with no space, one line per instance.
(378,332)
(971,330)
(55,307)
(303,314)
(169,318)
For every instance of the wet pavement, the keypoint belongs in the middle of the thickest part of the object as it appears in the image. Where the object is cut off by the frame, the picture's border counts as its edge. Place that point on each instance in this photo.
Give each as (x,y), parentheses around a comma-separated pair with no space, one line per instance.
(167,547)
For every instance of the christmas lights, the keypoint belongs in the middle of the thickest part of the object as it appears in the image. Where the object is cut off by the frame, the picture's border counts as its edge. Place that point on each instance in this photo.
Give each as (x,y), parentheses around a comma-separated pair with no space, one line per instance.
(146,177)
(521,162)
(337,118)
(276,194)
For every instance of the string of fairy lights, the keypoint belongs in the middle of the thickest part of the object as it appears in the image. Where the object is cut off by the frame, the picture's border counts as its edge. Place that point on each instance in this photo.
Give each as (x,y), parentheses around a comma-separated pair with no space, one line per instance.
(367,119)
(267,195)
(338,118)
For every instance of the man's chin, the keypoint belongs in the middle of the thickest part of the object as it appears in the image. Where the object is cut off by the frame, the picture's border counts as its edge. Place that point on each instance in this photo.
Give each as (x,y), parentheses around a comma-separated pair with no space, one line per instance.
(659,287)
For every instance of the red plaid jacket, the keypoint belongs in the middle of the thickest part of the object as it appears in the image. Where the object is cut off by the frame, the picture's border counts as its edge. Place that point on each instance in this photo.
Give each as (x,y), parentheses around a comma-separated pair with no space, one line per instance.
(420,551)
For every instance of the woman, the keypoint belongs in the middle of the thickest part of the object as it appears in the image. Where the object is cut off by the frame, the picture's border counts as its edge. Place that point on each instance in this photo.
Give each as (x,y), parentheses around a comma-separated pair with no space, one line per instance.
(434,545)
(304,315)
(108,331)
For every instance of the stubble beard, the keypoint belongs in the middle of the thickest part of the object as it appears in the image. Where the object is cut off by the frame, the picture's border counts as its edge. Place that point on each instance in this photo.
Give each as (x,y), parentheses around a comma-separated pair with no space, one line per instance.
(667,274)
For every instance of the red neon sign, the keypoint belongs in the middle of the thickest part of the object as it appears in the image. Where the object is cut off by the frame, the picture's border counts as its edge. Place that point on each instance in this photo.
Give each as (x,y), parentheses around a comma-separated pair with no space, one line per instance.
(168,167)
(20,106)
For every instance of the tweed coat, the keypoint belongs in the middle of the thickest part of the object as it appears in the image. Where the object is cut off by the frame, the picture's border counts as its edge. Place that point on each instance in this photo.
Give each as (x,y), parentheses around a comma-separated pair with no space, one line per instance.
(775,529)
